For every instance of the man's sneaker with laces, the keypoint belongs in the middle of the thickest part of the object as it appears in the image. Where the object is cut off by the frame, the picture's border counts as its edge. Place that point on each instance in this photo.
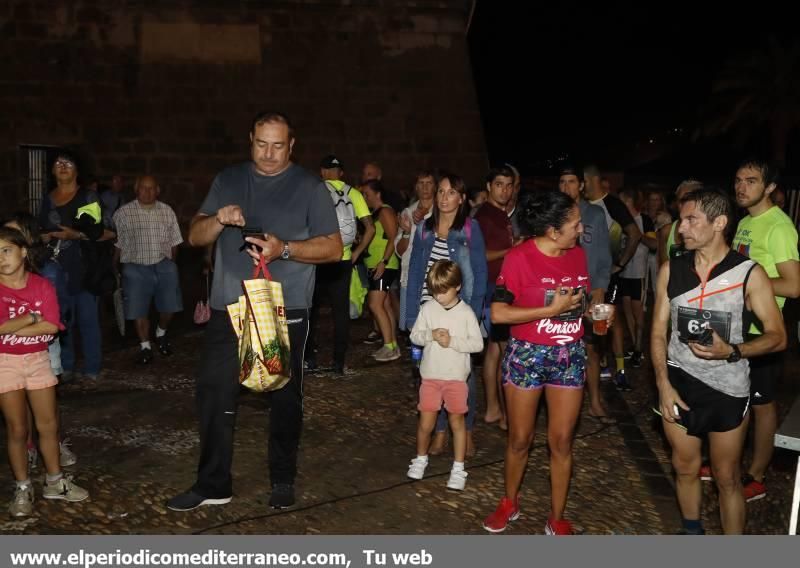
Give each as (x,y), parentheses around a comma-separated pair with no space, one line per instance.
(145,356)
(506,512)
(189,500)
(417,468)
(458,479)
(705,473)
(66,456)
(22,503)
(33,458)
(558,528)
(752,489)
(387,355)
(373,337)
(605,373)
(621,381)
(282,496)
(64,489)
(164,346)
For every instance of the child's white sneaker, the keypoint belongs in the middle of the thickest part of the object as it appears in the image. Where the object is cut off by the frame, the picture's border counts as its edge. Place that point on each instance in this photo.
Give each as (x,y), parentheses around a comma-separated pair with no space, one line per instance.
(458,479)
(417,468)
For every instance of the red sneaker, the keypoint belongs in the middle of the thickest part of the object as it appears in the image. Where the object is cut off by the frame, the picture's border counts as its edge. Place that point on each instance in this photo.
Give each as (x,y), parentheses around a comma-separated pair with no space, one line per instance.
(752,489)
(705,473)
(558,528)
(505,513)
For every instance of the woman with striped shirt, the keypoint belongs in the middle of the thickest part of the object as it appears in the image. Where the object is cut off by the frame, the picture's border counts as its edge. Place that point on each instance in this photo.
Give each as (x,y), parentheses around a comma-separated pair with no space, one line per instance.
(449,234)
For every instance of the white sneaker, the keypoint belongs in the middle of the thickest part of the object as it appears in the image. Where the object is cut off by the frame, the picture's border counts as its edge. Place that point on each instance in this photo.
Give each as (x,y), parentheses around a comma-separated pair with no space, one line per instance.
(458,479)
(380,351)
(417,468)
(22,503)
(64,489)
(388,355)
(66,456)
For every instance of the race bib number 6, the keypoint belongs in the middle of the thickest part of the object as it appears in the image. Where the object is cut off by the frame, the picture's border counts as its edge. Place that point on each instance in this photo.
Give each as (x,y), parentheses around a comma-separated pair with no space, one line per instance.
(692,322)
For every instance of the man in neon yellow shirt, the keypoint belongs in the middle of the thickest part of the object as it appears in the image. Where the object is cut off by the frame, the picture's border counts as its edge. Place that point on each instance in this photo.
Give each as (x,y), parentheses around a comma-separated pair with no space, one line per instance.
(768,236)
(334,278)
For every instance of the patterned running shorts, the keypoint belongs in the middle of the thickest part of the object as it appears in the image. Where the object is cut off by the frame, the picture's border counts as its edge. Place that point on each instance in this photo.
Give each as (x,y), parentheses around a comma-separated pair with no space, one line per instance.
(533,366)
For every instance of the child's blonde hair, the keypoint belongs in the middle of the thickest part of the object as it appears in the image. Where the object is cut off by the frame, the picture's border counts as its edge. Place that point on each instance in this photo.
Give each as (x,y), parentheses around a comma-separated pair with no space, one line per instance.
(443,275)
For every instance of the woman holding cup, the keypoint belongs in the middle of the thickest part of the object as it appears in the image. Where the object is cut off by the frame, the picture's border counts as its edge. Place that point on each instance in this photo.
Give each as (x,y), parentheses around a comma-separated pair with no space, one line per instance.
(541,294)
(601,314)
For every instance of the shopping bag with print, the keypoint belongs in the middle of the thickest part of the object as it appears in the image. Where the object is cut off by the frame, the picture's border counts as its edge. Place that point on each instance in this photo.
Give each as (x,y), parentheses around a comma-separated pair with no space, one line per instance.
(260,320)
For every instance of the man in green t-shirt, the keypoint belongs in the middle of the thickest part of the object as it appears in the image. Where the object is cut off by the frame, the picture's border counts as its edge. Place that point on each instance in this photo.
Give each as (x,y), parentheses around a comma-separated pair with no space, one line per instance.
(767,236)
(334,278)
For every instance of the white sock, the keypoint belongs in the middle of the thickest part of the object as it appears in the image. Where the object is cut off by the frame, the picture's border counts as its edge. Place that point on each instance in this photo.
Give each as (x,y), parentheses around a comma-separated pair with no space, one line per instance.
(160,332)
(51,479)
(145,344)
(458,466)
(24,483)
(423,458)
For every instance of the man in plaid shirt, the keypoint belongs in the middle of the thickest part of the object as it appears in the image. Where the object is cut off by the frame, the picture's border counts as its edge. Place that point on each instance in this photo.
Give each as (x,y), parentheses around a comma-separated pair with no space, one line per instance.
(147,239)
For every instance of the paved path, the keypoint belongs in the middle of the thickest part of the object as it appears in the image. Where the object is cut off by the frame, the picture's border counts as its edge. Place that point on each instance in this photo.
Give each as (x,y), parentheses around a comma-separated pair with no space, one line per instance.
(134,434)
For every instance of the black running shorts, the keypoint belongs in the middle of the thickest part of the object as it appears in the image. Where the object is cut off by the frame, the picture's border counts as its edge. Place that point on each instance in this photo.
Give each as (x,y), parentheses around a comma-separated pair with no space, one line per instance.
(709,409)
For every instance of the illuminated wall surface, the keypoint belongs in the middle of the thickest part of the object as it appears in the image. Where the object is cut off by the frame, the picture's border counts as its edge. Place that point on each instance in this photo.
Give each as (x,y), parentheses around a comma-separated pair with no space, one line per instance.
(169,87)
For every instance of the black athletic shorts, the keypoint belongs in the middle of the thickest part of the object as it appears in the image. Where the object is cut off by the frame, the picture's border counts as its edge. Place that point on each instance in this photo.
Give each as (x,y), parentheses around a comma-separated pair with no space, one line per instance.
(384,282)
(709,409)
(765,371)
(631,288)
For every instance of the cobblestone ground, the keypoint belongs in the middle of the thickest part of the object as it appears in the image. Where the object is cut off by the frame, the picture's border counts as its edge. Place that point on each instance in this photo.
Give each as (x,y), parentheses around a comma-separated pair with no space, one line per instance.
(135,436)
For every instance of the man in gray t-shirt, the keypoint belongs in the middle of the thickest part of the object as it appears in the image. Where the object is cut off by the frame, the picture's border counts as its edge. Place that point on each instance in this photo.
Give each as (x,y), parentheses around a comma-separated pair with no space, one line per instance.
(295,228)
(595,241)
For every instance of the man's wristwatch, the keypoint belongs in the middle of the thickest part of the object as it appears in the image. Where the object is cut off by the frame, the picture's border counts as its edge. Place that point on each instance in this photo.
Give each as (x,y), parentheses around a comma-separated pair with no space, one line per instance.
(285,252)
(35,317)
(735,355)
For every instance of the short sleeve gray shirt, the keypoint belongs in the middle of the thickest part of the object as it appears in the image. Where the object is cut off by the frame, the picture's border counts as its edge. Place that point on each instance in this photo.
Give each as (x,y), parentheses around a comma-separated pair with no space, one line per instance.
(293,205)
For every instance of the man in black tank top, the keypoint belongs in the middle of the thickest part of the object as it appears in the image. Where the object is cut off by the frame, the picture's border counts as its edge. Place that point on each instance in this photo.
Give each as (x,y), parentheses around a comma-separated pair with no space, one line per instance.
(702,377)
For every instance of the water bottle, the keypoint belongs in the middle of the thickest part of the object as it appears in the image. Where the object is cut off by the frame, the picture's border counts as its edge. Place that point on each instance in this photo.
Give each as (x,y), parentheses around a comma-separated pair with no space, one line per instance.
(416,354)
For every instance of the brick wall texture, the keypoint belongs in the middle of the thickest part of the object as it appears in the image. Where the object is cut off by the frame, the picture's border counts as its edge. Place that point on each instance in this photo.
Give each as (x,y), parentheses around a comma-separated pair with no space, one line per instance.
(169,87)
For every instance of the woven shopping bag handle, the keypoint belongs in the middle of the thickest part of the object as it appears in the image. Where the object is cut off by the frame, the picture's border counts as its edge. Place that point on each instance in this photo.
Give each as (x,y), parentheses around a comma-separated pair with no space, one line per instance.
(261,268)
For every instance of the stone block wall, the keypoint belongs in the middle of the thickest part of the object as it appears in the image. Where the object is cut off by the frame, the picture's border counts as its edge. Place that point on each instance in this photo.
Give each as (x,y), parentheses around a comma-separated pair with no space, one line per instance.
(169,87)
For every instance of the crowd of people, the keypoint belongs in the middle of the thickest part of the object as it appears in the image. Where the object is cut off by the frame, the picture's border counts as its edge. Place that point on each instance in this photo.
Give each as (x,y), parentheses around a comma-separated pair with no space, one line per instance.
(496,275)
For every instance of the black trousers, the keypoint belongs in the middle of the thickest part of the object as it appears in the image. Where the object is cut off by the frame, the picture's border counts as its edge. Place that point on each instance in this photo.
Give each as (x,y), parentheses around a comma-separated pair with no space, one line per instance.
(217,399)
(333,280)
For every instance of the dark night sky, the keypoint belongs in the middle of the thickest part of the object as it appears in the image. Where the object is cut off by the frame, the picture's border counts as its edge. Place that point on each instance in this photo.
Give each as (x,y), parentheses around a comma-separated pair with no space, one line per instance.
(595,81)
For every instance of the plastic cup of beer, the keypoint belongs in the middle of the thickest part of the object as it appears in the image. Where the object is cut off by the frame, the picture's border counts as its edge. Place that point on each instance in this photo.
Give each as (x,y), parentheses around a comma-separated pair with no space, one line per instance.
(601,313)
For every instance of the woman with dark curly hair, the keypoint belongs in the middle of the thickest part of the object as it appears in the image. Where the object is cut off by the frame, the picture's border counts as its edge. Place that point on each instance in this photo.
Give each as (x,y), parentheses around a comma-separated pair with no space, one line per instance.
(541,293)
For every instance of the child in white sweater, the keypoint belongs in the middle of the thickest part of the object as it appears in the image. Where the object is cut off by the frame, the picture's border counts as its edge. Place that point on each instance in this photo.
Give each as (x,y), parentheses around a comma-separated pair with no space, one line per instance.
(448,330)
